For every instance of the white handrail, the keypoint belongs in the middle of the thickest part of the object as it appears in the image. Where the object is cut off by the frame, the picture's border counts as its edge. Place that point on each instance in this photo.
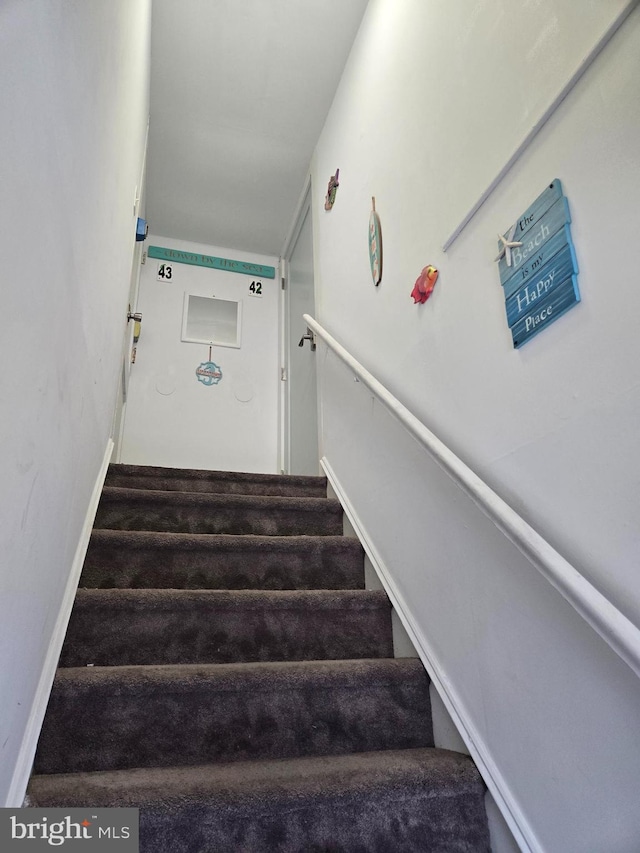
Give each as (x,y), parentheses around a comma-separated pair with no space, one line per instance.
(612,625)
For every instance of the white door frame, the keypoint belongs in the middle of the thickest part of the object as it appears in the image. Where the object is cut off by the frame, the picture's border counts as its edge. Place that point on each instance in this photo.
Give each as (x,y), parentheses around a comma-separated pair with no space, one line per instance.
(117,430)
(302,208)
(139,250)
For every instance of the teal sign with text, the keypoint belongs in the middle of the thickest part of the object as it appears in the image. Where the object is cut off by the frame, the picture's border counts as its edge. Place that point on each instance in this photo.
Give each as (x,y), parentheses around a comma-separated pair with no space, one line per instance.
(177,256)
(537,265)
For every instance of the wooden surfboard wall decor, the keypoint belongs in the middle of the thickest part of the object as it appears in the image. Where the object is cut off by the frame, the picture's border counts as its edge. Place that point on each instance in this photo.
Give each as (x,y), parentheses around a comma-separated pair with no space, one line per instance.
(375,244)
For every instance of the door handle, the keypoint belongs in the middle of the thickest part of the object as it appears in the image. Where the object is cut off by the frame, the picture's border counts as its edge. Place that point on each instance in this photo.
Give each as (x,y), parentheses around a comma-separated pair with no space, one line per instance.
(137,324)
(308,337)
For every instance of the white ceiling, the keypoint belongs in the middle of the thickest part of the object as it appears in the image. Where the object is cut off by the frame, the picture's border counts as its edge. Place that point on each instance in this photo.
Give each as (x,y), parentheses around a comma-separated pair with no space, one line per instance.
(239,93)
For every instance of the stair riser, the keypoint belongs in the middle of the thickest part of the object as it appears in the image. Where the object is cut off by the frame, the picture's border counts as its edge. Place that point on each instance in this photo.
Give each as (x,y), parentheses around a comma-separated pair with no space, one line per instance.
(409,822)
(320,564)
(109,637)
(175,518)
(95,731)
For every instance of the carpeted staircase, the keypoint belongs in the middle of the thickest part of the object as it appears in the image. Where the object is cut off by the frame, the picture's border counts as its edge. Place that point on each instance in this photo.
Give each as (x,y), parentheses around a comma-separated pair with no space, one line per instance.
(226,672)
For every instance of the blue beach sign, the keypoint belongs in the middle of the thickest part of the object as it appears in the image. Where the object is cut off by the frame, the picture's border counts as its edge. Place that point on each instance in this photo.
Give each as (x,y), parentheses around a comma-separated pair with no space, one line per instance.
(537,265)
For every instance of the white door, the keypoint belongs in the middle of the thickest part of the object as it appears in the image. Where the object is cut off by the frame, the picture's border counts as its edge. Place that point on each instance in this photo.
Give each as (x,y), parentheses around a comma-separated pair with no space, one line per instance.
(301,454)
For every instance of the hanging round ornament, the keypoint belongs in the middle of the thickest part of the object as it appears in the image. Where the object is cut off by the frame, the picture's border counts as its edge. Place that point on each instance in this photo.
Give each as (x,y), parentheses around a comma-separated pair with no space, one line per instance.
(208,372)
(375,244)
(332,189)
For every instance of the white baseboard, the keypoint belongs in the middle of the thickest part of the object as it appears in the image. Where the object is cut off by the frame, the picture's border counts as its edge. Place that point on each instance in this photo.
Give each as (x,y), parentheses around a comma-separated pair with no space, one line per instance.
(495,782)
(24,763)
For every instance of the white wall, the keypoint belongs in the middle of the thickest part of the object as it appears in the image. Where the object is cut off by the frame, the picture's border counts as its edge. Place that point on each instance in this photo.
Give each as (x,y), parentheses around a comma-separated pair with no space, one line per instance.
(551,427)
(74,106)
(174,420)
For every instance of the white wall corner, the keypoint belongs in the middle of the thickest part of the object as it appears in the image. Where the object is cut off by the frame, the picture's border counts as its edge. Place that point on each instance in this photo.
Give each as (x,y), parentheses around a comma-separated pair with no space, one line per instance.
(24,763)
(445,733)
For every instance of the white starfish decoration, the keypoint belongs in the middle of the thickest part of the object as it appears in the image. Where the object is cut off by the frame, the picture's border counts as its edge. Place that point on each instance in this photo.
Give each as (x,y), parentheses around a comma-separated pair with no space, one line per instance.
(508,243)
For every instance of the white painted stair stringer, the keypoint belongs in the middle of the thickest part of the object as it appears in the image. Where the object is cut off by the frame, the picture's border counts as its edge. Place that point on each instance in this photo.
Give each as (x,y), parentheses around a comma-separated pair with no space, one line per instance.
(497,785)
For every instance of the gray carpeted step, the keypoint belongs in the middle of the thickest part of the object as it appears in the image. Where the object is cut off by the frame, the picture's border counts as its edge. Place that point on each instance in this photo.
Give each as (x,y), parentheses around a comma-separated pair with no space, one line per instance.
(109,718)
(220,482)
(119,627)
(137,559)
(406,801)
(193,512)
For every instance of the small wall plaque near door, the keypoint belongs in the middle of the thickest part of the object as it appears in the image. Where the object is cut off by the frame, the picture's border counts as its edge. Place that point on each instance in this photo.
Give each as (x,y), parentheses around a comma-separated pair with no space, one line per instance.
(213,321)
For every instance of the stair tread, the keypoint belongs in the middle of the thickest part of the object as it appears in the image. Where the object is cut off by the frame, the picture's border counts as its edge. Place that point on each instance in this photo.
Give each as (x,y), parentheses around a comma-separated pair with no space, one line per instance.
(123,468)
(436,772)
(261,502)
(221,482)
(222,599)
(221,541)
(267,676)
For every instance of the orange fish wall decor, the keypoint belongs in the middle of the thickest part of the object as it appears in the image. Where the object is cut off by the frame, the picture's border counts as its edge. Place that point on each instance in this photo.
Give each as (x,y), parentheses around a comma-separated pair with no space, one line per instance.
(426,281)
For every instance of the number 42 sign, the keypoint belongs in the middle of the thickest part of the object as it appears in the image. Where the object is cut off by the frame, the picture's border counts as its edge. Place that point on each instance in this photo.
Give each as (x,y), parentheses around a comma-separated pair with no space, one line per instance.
(255,288)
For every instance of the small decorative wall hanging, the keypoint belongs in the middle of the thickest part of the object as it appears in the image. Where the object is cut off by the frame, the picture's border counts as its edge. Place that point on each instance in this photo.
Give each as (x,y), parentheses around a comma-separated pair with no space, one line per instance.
(208,372)
(375,244)
(426,281)
(332,189)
